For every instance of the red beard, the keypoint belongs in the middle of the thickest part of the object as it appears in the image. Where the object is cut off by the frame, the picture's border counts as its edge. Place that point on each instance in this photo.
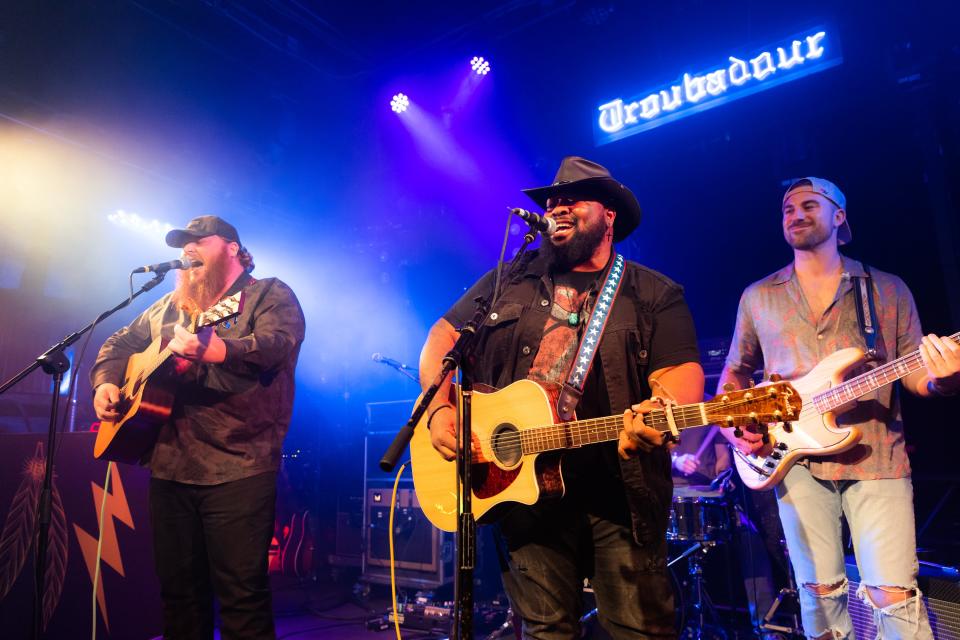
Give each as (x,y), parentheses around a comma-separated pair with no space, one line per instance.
(198,289)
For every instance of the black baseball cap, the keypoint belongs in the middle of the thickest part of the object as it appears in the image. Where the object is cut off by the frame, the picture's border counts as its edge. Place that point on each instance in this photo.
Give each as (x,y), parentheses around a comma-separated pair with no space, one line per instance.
(201,227)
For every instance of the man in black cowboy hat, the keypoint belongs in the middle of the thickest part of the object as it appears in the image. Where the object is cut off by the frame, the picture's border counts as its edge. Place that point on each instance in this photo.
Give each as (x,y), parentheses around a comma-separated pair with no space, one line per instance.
(214,465)
(610,524)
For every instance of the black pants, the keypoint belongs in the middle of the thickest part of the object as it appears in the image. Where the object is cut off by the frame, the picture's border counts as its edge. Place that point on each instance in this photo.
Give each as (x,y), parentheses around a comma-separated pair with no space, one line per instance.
(552,547)
(214,539)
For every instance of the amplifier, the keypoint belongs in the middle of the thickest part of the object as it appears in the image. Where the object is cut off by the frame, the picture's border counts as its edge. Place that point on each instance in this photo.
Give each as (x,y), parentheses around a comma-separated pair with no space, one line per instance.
(423,554)
(383,421)
(348,545)
(941,594)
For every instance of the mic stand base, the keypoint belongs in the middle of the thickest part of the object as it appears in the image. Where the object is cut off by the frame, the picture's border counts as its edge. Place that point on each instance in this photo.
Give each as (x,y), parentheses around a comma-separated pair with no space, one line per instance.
(54,362)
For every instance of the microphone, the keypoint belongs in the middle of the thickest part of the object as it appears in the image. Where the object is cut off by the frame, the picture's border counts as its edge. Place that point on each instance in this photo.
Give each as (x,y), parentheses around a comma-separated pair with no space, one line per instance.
(396,364)
(163,267)
(546,226)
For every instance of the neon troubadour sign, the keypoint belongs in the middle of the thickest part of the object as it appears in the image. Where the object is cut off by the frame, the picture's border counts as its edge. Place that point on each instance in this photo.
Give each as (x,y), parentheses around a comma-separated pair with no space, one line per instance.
(737,77)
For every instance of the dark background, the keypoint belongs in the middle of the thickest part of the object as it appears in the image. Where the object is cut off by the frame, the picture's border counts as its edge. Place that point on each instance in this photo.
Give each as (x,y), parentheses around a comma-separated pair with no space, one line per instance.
(275,115)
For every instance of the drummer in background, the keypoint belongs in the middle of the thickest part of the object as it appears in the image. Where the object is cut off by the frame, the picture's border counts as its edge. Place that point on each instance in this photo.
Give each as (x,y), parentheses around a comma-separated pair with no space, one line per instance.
(697,464)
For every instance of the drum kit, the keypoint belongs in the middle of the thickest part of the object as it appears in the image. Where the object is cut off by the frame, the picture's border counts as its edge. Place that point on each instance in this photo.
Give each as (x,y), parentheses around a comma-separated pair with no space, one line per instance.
(702,517)
(699,517)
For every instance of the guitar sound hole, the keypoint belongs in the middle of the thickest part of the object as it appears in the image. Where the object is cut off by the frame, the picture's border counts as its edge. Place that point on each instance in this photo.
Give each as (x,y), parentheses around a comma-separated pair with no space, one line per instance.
(505,443)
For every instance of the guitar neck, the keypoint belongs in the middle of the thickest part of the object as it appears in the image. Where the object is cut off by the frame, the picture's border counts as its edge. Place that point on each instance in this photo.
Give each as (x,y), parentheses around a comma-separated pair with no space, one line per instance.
(569,435)
(162,356)
(864,383)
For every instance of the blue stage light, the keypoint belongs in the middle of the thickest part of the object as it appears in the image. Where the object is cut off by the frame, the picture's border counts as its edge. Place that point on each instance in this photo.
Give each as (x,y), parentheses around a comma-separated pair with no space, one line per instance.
(480,66)
(399,103)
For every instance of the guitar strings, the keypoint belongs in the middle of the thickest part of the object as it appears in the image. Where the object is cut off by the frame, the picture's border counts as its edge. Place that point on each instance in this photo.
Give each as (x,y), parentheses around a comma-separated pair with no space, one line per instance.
(606,426)
(611,425)
(864,382)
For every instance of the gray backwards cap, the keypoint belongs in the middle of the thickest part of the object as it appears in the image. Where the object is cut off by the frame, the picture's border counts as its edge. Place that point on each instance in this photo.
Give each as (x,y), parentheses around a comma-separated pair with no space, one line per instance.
(829,191)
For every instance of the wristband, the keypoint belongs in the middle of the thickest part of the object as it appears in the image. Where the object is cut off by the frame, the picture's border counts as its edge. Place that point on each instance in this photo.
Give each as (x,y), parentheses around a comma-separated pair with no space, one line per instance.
(433,412)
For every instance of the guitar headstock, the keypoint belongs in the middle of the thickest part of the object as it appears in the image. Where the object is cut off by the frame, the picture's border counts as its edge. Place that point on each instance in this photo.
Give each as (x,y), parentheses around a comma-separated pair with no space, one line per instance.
(226,309)
(775,402)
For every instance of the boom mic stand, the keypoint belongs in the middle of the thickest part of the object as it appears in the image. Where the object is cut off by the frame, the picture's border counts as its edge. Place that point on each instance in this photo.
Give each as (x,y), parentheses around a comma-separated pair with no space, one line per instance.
(459,357)
(54,362)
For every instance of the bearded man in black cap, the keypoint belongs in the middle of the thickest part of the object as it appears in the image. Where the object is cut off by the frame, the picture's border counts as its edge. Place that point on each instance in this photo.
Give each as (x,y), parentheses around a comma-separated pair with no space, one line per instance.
(214,466)
(610,524)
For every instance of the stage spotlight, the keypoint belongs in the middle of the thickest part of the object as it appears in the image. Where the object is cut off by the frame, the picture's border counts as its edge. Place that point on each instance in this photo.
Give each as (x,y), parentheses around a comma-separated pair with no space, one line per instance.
(480,66)
(399,103)
(134,222)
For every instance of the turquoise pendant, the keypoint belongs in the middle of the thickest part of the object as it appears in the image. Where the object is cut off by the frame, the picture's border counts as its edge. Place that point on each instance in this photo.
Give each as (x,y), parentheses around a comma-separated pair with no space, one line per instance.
(573,319)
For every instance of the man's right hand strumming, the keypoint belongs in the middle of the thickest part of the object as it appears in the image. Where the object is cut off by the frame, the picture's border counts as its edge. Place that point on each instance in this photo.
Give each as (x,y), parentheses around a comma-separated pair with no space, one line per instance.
(443,430)
(105,401)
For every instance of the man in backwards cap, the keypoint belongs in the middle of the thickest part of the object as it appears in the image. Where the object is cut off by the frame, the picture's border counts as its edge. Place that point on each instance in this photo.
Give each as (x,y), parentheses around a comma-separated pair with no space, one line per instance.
(787,323)
(610,525)
(215,463)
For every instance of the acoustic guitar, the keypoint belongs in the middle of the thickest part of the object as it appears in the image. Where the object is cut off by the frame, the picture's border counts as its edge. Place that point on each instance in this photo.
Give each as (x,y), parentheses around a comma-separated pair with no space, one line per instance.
(147,394)
(517,437)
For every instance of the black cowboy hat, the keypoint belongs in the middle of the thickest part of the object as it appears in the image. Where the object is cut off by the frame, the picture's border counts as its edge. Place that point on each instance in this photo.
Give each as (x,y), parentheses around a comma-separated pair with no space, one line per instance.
(589,180)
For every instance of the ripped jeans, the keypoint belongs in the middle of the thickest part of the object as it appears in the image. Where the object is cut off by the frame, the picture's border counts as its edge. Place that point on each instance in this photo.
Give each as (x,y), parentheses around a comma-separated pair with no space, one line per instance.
(881,520)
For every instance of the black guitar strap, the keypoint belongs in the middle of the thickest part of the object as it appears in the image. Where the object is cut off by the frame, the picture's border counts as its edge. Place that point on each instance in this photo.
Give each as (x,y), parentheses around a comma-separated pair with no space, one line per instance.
(866,312)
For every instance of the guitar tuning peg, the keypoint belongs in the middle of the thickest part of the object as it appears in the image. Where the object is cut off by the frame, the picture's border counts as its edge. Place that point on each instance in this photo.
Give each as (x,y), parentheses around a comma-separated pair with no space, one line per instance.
(775,377)
(728,387)
(765,438)
(752,383)
(738,432)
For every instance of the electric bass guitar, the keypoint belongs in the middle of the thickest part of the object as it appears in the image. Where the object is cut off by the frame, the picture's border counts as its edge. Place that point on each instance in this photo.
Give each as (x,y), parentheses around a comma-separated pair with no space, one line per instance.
(146,397)
(517,439)
(824,394)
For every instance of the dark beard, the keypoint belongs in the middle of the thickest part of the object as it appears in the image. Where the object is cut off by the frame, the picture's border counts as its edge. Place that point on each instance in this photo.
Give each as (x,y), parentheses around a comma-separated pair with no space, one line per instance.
(576,251)
(197,290)
(811,241)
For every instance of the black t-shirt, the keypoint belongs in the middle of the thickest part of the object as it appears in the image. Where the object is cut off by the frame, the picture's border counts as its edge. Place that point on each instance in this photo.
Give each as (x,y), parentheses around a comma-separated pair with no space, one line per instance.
(592,473)
(650,328)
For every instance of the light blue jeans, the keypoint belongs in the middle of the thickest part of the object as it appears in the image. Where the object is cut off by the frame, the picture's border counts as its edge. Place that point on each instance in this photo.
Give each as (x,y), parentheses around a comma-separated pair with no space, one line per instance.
(880,516)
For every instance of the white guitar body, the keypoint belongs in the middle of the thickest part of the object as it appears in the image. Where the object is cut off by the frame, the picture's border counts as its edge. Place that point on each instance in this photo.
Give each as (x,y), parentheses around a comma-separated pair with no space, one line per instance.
(814,434)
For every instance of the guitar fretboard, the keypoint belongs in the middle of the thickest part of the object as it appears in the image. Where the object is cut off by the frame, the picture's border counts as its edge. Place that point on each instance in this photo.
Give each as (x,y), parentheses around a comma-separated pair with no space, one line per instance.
(223,310)
(864,383)
(594,430)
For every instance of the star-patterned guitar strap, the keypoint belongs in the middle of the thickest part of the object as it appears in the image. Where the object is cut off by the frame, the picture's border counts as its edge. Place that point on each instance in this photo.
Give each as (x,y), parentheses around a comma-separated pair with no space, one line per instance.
(573,387)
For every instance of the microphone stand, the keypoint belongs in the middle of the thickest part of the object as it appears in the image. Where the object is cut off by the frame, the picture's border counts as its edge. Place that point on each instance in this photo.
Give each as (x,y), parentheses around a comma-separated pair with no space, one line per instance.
(54,362)
(410,372)
(459,357)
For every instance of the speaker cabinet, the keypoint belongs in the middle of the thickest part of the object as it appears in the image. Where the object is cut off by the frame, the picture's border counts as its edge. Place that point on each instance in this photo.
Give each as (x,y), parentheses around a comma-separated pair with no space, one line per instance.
(941,594)
(422,552)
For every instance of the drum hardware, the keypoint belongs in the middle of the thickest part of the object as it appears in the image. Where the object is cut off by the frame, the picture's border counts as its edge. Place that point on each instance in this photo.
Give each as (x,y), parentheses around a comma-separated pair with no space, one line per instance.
(790,591)
(701,516)
(699,602)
